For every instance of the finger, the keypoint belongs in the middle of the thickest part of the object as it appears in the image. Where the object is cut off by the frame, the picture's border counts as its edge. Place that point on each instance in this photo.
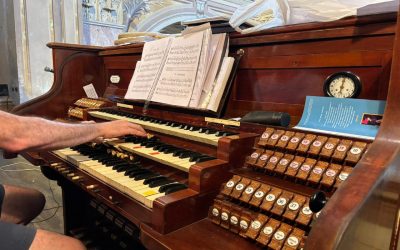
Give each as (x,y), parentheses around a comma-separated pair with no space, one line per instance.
(138,127)
(139,133)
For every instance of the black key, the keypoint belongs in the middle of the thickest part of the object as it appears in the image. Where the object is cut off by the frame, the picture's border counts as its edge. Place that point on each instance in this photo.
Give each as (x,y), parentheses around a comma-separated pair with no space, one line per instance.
(175,189)
(112,163)
(122,168)
(155,178)
(186,154)
(170,150)
(225,133)
(138,172)
(178,152)
(149,144)
(203,130)
(194,157)
(186,127)
(158,146)
(158,183)
(164,188)
(204,158)
(100,157)
(193,128)
(145,176)
(132,170)
(117,166)
(163,149)
(210,131)
(153,144)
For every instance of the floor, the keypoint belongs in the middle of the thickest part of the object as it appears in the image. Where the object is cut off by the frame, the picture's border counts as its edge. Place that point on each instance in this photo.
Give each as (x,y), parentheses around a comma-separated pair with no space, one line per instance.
(20,172)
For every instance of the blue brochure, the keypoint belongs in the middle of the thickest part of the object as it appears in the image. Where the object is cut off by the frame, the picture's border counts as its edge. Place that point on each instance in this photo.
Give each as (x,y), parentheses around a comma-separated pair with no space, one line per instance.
(342,116)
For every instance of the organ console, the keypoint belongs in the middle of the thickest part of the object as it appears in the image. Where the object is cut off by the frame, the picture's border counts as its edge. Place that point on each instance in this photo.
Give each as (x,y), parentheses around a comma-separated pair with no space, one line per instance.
(204,185)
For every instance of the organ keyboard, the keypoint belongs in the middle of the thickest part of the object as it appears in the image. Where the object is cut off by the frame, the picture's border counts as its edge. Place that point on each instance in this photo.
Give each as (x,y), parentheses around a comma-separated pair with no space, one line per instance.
(126,176)
(226,187)
(186,131)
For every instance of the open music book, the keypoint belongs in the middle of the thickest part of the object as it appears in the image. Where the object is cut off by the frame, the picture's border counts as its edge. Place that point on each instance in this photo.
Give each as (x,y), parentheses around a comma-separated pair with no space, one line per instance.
(191,70)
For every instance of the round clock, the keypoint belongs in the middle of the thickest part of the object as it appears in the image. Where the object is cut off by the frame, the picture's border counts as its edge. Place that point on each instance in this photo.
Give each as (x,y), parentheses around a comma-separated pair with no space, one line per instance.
(342,85)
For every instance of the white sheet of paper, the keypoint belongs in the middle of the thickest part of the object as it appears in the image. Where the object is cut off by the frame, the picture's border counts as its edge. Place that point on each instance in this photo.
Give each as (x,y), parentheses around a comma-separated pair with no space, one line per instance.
(204,65)
(175,84)
(145,76)
(90,91)
(220,83)
(217,44)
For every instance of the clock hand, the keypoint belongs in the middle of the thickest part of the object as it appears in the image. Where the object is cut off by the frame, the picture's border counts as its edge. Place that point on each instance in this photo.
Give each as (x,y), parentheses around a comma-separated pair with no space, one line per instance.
(342,86)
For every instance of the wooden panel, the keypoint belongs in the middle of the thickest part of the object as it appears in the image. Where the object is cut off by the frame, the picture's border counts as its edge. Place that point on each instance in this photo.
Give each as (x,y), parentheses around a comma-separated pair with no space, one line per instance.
(344,45)
(73,70)
(291,86)
(121,62)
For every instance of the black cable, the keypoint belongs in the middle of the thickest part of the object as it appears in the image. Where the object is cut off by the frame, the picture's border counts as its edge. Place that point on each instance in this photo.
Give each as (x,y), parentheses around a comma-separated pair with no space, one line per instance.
(52,194)
(57,207)
(50,208)
(54,214)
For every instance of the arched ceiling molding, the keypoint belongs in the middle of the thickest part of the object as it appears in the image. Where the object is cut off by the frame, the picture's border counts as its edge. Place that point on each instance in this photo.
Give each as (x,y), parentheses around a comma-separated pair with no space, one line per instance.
(180,12)
(166,16)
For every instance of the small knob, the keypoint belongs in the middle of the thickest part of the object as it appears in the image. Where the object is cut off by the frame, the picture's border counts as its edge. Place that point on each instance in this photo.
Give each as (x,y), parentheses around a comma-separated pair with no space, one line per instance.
(317,201)
(48,69)
(76,178)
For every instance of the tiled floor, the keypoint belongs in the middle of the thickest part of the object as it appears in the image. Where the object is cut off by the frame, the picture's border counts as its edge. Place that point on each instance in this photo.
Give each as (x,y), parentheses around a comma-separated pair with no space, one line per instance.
(20,172)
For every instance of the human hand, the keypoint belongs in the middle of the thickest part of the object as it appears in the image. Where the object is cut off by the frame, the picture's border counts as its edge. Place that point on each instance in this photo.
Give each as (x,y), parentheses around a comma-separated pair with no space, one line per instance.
(119,128)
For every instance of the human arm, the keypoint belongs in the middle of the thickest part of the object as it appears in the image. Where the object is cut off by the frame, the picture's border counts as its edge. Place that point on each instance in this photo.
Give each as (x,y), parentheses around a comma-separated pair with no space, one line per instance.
(18,133)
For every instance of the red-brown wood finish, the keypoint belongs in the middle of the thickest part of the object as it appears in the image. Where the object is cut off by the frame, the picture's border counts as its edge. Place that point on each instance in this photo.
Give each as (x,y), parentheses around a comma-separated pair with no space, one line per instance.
(280,67)
(352,196)
(74,66)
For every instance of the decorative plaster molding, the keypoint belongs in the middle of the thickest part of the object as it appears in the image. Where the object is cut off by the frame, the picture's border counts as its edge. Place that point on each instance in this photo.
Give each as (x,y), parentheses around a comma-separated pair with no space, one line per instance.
(181,10)
(166,16)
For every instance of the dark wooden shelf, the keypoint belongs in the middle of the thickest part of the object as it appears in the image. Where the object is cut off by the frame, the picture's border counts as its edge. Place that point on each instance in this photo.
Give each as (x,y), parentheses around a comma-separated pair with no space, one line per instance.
(200,235)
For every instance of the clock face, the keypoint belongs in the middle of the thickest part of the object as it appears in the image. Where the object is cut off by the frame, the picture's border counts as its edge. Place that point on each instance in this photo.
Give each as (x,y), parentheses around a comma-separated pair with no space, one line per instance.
(342,85)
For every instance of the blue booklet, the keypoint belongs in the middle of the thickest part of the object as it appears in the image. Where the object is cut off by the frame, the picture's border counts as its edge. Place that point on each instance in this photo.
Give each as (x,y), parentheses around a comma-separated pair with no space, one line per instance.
(342,116)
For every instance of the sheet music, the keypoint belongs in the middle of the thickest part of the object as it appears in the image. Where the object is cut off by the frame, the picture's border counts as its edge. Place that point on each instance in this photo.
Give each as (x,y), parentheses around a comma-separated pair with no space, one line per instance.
(175,84)
(145,75)
(220,84)
(90,91)
(202,69)
(217,51)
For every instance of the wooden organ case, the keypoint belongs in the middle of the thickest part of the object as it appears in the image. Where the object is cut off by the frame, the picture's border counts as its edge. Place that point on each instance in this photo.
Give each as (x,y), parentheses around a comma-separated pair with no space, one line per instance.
(252,188)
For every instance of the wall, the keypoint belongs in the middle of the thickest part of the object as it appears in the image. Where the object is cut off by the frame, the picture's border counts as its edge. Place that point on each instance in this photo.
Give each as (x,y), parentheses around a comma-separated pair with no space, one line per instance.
(8,56)
(102,21)
(26,27)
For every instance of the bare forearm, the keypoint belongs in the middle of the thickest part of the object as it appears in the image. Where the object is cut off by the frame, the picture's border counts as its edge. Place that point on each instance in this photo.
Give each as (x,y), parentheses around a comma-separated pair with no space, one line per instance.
(31,133)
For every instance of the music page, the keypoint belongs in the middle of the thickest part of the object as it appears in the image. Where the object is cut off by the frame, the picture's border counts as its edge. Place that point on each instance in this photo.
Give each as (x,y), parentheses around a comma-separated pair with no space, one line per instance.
(201,70)
(217,46)
(147,72)
(175,84)
(215,96)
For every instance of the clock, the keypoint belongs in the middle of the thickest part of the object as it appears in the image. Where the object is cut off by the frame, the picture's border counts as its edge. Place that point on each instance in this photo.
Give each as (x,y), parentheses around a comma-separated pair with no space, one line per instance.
(342,85)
